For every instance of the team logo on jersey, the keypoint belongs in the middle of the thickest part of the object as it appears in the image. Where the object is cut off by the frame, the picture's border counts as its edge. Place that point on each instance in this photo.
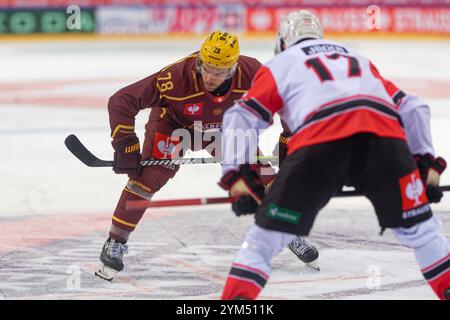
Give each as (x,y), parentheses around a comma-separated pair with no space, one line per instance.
(193,109)
(219,99)
(164,146)
(217,111)
(413,191)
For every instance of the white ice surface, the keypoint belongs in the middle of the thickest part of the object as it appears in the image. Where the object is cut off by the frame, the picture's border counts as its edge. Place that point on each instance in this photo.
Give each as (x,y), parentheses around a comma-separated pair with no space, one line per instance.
(55,212)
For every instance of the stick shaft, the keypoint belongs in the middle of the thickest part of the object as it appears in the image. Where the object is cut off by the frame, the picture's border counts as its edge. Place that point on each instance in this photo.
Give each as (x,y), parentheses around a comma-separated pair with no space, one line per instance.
(143,204)
(84,155)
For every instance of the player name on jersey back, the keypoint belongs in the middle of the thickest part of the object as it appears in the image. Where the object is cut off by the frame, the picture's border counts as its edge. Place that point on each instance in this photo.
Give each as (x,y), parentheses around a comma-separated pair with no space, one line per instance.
(318,48)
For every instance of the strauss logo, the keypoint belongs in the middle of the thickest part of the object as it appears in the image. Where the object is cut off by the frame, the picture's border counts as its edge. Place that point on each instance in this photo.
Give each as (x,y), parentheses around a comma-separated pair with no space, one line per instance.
(166,147)
(414,189)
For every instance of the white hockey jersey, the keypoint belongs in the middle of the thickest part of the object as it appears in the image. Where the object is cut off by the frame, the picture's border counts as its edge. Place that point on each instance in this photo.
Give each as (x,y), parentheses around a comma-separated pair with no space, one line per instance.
(323,91)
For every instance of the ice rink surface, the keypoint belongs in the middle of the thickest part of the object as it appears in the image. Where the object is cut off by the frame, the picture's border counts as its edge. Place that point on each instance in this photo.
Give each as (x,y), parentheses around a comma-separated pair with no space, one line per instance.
(55,212)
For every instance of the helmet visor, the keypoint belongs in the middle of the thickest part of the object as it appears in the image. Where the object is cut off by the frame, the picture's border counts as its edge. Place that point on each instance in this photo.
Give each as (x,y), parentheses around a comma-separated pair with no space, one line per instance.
(213,71)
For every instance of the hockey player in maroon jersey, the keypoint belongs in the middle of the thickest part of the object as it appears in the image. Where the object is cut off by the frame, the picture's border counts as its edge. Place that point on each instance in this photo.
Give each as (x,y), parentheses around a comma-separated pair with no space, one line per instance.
(191,94)
(347,126)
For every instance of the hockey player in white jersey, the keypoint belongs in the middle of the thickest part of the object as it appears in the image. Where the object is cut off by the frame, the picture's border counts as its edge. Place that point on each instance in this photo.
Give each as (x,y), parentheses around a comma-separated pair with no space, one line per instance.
(348,126)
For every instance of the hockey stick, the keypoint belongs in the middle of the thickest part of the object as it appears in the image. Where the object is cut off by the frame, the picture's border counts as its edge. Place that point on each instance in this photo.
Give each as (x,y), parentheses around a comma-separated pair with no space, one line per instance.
(143,204)
(354,193)
(84,155)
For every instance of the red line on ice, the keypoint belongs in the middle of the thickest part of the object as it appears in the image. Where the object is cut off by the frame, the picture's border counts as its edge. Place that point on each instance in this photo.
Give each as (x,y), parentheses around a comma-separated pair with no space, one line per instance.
(43,230)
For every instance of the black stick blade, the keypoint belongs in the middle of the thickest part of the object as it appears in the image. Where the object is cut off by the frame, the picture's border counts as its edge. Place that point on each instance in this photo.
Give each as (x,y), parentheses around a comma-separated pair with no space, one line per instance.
(84,155)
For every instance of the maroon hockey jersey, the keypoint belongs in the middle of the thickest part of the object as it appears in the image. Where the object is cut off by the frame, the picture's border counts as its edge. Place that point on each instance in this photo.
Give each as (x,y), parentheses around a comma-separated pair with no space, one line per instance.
(178,90)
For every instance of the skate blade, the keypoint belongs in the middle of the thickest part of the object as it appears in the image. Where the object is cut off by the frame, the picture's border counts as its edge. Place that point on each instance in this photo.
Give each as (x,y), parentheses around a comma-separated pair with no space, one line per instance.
(313,265)
(105,272)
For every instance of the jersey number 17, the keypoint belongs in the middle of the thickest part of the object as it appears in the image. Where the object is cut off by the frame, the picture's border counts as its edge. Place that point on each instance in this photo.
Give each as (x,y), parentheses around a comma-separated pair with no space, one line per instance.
(324,74)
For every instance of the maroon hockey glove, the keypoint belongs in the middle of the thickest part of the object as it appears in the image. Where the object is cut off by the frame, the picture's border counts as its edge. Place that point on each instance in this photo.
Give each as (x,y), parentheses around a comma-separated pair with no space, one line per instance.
(246,184)
(127,155)
(431,169)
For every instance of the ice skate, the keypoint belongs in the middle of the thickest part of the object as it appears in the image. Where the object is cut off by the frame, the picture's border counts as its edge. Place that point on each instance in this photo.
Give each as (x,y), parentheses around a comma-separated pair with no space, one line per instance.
(307,253)
(111,259)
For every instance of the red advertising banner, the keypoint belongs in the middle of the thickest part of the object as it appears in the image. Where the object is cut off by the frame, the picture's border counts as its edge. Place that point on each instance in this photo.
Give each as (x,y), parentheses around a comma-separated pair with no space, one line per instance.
(371,19)
(435,20)
(309,3)
(242,17)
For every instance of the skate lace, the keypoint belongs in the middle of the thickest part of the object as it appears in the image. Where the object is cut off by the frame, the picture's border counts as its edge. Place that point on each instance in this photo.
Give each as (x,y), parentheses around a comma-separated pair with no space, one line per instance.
(116,249)
(299,246)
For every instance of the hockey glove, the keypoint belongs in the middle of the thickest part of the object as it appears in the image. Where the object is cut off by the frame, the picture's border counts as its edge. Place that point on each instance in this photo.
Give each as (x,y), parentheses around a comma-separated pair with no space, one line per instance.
(245,184)
(244,205)
(431,169)
(127,155)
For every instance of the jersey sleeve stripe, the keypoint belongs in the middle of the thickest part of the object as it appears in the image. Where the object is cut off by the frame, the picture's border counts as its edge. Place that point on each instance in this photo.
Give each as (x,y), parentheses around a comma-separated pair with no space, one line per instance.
(264,90)
(393,91)
(352,104)
(398,95)
(257,107)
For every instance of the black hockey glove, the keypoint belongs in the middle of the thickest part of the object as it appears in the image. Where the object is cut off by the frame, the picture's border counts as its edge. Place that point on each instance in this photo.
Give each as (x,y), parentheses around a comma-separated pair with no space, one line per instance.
(246,184)
(244,205)
(127,154)
(431,169)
